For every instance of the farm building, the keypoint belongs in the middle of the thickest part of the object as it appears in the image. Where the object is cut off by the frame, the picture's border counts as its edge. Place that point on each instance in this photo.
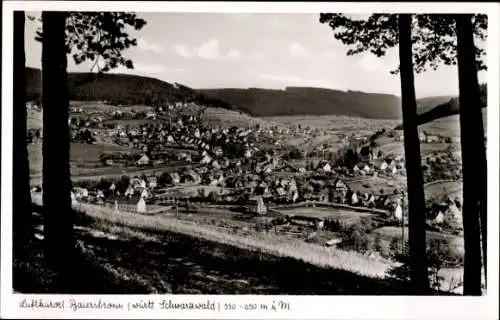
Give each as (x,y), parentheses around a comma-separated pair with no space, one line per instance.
(173,178)
(327,167)
(130,191)
(170,139)
(397,212)
(421,137)
(215,164)
(191,176)
(206,159)
(383,165)
(143,161)
(432,139)
(355,169)
(73,199)
(453,217)
(353,198)
(152,182)
(256,205)
(81,193)
(218,152)
(366,168)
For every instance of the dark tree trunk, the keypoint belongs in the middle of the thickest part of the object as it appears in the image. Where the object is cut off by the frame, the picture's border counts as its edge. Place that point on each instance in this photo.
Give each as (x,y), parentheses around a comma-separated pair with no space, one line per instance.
(416,200)
(21,197)
(58,216)
(473,154)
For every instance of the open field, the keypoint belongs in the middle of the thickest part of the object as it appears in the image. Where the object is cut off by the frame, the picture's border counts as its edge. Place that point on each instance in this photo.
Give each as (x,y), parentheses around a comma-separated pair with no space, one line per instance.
(161,254)
(455,243)
(323,213)
(192,190)
(449,126)
(84,154)
(442,189)
(338,123)
(374,184)
(85,163)
(130,122)
(395,148)
(35,120)
(268,243)
(100,107)
(227,118)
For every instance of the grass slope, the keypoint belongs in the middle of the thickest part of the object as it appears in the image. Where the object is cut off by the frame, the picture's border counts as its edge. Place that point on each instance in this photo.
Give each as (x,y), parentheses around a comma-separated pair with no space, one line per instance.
(168,258)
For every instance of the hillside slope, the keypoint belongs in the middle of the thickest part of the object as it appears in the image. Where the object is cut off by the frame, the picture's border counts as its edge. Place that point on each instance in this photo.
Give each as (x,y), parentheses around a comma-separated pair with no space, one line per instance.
(121,89)
(449,108)
(444,109)
(311,101)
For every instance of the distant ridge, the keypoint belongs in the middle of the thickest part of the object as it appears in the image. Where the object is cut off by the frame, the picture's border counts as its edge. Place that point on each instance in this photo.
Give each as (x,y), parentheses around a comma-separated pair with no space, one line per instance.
(309,101)
(120,89)
(125,89)
(445,108)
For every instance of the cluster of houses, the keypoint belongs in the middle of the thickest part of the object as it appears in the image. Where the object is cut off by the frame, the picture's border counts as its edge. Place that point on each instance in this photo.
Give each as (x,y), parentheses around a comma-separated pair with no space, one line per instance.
(423,137)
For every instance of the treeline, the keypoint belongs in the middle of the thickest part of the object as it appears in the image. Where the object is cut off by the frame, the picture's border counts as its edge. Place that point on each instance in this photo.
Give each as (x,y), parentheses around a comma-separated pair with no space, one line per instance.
(312,101)
(122,89)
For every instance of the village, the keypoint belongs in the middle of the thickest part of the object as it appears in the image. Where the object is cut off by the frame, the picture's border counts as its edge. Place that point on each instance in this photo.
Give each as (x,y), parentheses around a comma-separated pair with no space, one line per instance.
(253,171)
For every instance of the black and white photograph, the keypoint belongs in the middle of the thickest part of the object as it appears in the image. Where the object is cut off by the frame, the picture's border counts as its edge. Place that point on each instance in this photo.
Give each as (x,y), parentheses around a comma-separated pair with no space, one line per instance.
(271,153)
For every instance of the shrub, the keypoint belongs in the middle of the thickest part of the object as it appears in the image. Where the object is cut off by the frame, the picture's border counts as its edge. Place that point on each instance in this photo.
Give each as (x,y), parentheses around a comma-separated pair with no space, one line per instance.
(395,247)
(377,243)
(366,243)
(213,196)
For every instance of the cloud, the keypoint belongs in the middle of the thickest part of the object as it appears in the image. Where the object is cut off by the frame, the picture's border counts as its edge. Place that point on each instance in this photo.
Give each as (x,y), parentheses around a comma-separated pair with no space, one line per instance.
(330,55)
(234,54)
(147,68)
(300,51)
(281,78)
(183,51)
(144,45)
(257,56)
(209,50)
(370,63)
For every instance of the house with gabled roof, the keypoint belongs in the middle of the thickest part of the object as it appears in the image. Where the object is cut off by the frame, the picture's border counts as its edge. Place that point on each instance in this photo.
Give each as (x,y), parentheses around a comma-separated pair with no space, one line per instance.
(256,205)
(130,191)
(206,159)
(152,182)
(143,160)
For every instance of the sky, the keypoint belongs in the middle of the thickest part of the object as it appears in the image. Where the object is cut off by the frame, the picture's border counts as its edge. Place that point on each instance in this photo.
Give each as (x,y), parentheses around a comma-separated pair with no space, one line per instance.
(242,50)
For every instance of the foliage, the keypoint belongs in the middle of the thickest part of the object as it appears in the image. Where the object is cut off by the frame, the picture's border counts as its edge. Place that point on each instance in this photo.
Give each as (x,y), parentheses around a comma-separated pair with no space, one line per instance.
(213,196)
(435,261)
(434,37)
(356,238)
(99,37)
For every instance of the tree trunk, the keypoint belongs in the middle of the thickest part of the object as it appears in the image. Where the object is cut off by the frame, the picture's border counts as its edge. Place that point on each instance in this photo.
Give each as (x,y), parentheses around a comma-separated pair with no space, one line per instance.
(473,154)
(58,216)
(416,200)
(21,197)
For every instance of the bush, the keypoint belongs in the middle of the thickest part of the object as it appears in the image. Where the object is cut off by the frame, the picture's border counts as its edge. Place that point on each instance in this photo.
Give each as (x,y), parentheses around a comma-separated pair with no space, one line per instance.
(366,243)
(213,196)
(395,247)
